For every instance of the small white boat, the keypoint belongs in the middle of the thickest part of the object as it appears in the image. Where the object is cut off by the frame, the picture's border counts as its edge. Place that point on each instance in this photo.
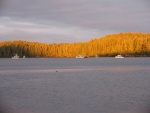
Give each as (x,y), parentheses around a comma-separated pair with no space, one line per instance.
(119,56)
(24,56)
(80,56)
(15,57)
(96,56)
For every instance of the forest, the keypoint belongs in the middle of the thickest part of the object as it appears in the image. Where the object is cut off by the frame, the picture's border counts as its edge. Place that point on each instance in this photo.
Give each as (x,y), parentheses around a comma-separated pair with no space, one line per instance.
(127,44)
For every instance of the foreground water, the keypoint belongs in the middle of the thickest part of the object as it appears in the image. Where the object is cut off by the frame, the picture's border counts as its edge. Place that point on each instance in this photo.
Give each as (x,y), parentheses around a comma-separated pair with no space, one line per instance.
(92,85)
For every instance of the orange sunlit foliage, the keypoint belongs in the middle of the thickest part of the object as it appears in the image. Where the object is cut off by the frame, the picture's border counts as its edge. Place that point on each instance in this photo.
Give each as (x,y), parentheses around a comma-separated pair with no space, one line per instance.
(129,44)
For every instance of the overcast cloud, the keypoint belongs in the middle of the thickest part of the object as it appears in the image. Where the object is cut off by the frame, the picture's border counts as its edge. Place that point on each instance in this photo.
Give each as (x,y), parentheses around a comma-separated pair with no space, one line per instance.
(57,21)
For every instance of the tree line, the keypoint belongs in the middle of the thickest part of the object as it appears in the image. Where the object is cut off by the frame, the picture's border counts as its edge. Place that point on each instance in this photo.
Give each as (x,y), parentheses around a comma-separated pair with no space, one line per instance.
(127,44)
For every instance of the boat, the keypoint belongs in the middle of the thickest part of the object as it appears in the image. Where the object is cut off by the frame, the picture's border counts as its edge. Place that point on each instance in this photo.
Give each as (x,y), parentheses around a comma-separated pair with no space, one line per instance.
(119,56)
(15,57)
(24,56)
(80,56)
(96,56)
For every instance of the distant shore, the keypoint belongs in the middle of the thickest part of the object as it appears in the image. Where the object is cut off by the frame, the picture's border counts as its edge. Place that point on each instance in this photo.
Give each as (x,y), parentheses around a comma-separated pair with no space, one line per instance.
(127,44)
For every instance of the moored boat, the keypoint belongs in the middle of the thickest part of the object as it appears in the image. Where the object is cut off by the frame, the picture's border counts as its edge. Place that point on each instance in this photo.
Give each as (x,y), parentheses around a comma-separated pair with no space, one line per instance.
(119,56)
(15,57)
(80,56)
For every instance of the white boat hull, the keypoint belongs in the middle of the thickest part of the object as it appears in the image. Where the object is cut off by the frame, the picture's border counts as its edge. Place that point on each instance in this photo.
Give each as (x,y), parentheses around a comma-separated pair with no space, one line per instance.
(119,56)
(15,57)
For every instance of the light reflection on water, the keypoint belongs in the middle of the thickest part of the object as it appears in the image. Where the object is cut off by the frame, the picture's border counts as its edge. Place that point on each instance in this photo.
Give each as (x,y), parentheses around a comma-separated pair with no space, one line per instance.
(100,85)
(69,70)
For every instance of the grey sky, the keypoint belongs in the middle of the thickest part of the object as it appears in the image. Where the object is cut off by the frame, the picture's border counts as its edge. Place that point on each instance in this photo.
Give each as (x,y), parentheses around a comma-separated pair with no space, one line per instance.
(56,21)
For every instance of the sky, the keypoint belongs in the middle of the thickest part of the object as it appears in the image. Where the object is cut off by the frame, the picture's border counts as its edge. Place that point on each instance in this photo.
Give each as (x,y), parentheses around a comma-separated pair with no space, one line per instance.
(63,21)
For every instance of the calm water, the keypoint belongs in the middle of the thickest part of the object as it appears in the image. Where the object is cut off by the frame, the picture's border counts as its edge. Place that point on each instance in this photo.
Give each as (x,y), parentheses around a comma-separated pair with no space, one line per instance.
(92,85)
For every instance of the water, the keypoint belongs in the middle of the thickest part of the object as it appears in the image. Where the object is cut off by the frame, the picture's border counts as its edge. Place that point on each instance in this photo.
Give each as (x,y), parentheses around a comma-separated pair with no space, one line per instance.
(92,85)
